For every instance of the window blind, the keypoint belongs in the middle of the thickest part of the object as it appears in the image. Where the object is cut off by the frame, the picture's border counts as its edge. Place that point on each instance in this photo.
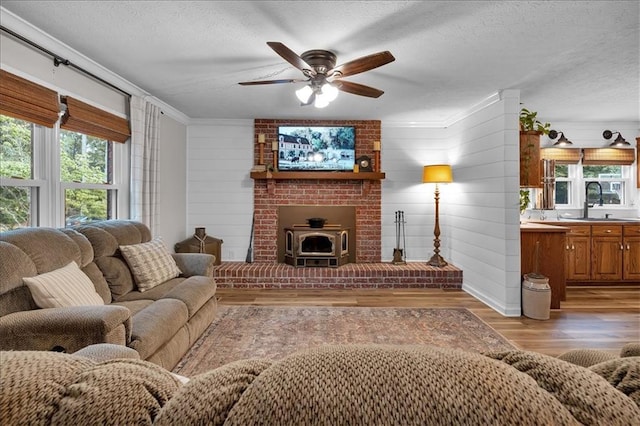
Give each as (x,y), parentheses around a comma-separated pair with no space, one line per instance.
(561,155)
(84,118)
(26,100)
(608,156)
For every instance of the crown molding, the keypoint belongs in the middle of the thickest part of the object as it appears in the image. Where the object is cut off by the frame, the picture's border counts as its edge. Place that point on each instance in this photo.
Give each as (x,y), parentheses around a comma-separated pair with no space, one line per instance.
(235,122)
(36,35)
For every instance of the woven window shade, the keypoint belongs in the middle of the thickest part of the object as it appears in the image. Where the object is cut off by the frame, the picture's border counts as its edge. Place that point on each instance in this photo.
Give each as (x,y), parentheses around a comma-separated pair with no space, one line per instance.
(608,156)
(561,155)
(26,100)
(84,118)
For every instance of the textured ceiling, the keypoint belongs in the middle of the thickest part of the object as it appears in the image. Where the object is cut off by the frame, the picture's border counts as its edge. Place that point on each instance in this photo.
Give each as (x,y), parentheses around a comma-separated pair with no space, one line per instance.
(572,61)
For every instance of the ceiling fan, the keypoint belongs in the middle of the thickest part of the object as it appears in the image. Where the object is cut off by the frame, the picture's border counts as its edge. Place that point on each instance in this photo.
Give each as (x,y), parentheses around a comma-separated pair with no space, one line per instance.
(324,77)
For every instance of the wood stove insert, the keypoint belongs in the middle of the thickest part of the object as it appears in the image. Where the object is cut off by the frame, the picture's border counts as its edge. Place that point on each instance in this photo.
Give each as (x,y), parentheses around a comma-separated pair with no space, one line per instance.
(306,246)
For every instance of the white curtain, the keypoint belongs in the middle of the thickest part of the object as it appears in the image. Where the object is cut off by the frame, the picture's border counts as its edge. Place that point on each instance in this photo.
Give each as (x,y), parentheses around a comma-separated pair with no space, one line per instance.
(145,134)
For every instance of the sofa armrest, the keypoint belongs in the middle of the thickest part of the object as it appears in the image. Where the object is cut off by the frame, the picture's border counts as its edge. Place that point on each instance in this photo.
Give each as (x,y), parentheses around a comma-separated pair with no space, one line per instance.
(65,329)
(195,263)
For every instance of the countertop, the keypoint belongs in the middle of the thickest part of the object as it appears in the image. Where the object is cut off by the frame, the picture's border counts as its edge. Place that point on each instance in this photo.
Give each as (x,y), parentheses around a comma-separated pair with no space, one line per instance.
(543,227)
(594,221)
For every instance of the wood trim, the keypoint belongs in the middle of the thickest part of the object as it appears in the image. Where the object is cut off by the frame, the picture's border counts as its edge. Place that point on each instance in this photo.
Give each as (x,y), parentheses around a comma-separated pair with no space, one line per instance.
(84,118)
(638,162)
(530,162)
(318,175)
(26,100)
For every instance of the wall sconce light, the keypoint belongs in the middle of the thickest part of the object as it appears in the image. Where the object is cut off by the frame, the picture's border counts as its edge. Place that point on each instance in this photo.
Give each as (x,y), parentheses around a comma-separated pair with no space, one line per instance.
(562,141)
(437,173)
(608,134)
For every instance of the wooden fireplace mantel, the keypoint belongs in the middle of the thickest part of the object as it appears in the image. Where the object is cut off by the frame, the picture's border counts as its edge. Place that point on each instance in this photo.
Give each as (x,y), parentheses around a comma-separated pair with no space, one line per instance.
(318,175)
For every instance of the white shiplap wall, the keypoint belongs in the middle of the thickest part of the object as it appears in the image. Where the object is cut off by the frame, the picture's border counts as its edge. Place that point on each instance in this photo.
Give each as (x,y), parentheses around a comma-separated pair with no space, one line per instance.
(219,189)
(479,217)
(405,150)
(483,209)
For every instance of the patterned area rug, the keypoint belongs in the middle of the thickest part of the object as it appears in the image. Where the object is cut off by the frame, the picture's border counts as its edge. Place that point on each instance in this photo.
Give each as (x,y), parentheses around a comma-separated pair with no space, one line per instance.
(241,332)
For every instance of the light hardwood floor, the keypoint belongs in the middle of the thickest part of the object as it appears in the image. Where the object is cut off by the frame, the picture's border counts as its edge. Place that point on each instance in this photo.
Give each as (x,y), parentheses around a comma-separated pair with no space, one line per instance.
(591,317)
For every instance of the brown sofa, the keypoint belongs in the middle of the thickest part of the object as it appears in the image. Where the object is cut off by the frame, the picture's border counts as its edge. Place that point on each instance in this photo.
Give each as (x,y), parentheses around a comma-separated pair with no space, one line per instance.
(161,323)
(326,385)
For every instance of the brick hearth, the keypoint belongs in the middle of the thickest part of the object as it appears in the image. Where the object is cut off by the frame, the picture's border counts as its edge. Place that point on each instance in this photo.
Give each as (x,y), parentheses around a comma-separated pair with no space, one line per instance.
(352,275)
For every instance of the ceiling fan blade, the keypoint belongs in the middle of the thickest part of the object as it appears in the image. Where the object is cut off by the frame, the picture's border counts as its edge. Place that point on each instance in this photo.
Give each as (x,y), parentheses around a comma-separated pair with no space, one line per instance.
(359,89)
(291,57)
(363,64)
(253,83)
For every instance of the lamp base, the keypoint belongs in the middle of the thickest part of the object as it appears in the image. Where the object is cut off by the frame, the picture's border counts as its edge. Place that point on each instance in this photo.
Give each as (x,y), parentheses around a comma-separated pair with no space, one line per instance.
(437,261)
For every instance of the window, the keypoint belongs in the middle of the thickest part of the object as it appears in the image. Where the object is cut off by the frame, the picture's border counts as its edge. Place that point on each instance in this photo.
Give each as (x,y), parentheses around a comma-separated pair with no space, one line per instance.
(90,183)
(86,174)
(59,171)
(571,185)
(18,193)
(610,184)
(563,185)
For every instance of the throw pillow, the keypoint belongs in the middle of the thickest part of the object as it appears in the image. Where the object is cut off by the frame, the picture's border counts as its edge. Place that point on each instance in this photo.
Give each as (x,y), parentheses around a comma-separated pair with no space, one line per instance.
(151,263)
(67,286)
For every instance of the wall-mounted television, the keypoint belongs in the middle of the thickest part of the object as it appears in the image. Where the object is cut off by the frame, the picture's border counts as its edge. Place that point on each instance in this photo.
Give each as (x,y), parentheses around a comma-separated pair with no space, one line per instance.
(316,148)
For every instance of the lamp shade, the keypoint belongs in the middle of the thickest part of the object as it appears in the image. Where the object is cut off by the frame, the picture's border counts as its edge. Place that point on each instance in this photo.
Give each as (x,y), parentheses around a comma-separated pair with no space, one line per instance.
(437,173)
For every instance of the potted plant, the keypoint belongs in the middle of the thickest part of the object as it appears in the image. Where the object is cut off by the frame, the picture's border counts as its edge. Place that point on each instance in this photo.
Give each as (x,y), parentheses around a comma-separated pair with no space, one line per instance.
(530,166)
(524,200)
(529,122)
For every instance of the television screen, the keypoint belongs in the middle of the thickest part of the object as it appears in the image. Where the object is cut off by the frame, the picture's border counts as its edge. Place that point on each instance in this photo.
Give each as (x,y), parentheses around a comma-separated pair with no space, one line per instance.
(316,148)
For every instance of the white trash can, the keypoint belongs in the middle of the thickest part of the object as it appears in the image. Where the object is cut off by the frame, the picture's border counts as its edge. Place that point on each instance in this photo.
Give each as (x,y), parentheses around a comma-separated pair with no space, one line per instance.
(536,296)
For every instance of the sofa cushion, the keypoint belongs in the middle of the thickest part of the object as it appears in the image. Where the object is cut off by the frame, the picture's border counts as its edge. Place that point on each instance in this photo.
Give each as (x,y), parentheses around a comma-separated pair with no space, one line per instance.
(103,243)
(67,286)
(156,324)
(194,292)
(151,263)
(15,264)
(135,306)
(49,249)
(155,293)
(117,274)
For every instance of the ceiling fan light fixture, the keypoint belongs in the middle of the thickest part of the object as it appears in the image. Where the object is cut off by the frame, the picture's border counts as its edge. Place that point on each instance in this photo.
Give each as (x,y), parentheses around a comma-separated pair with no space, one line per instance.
(321,101)
(329,92)
(304,94)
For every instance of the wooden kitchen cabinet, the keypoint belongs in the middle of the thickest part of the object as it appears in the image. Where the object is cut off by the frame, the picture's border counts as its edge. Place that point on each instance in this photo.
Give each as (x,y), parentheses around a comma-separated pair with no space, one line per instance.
(606,252)
(578,253)
(631,256)
(530,160)
(541,252)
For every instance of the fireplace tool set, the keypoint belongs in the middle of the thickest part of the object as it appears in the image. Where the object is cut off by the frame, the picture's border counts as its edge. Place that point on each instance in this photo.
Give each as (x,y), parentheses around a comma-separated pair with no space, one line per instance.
(399,254)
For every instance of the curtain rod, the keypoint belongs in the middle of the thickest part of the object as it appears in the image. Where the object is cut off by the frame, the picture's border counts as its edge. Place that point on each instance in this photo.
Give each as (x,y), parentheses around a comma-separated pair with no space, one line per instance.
(57,60)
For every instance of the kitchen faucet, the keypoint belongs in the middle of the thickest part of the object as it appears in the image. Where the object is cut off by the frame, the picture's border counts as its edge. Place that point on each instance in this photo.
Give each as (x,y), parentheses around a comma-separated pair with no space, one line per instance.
(586,198)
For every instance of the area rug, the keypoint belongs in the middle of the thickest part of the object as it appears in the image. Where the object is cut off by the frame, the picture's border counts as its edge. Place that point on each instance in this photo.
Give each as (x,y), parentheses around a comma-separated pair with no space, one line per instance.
(241,332)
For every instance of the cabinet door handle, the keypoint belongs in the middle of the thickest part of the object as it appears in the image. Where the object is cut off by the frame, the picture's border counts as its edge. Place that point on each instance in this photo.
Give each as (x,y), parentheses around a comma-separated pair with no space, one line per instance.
(628,248)
(573,247)
(567,247)
(621,247)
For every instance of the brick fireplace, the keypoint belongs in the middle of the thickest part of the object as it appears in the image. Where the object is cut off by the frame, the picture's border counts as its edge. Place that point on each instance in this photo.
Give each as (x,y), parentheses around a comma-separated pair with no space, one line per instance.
(283,200)
(363,195)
